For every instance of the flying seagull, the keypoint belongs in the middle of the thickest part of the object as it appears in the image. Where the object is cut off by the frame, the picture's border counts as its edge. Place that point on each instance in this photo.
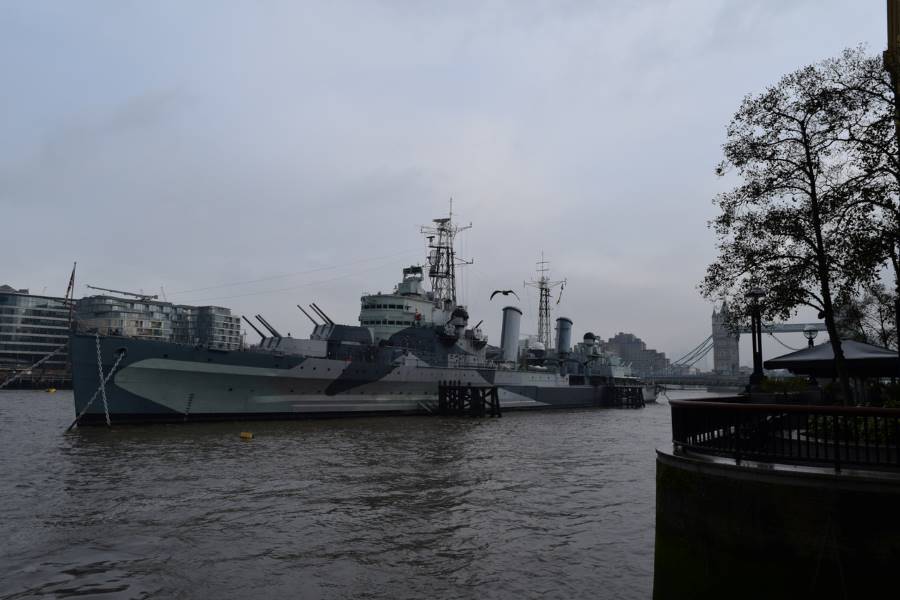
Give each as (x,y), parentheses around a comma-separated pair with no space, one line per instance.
(505,293)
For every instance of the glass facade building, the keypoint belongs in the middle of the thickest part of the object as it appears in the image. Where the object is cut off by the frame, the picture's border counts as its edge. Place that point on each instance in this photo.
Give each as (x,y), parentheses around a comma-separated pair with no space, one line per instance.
(31,327)
(217,328)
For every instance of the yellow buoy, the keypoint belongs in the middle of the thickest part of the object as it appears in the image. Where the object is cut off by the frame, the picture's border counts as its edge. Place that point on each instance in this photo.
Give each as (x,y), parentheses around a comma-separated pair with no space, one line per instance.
(246,435)
(51,390)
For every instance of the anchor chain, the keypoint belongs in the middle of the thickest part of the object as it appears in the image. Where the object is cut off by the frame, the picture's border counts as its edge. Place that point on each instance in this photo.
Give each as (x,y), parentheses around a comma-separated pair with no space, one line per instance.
(32,367)
(187,409)
(102,380)
(102,388)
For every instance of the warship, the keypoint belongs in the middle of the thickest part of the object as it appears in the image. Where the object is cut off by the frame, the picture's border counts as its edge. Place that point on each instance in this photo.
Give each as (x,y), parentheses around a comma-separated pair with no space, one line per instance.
(408,343)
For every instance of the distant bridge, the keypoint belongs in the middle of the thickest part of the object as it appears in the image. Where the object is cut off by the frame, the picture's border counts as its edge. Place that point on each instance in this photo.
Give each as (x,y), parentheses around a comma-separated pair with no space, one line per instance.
(703,380)
(701,350)
(788,327)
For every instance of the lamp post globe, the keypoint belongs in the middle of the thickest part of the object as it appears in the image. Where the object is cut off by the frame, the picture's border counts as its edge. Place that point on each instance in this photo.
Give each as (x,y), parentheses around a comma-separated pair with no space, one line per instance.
(810,333)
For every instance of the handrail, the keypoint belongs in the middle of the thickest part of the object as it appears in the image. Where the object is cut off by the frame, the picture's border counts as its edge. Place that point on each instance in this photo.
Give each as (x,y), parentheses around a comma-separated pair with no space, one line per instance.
(789,433)
(794,408)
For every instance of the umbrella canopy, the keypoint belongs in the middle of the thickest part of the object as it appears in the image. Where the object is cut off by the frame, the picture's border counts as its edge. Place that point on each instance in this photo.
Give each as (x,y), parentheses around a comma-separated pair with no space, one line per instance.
(863,360)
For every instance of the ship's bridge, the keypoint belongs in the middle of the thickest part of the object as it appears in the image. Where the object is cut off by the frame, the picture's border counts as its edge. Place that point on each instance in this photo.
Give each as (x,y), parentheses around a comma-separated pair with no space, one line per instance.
(408,306)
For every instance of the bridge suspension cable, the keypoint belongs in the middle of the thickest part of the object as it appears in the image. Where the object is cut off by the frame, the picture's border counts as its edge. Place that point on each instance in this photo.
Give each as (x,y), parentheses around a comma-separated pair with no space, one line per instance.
(783,344)
(700,355)
(696,354)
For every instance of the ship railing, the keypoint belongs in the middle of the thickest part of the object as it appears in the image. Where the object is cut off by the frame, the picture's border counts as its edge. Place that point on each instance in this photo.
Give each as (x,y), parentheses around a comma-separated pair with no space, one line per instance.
(429,359)
(838,436)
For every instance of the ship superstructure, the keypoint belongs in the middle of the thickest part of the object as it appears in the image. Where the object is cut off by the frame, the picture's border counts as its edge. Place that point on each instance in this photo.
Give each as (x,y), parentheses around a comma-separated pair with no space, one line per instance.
(407,343)
(410,304)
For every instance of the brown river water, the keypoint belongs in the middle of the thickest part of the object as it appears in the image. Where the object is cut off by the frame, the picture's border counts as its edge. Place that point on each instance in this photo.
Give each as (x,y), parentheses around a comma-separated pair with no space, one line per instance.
(530,505)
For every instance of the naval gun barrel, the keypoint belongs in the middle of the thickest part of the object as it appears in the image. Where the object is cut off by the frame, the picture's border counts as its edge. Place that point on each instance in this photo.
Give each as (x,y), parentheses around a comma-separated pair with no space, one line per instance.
(253,326)
(265,324)
(314,322)
(321,313)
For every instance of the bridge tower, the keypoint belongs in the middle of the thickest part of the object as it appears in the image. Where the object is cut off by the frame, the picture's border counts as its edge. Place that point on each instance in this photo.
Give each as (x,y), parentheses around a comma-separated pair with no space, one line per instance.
(726,350)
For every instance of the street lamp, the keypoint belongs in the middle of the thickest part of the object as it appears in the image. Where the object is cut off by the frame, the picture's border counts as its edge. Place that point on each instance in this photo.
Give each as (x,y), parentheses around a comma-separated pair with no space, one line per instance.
(755,294)
(810,333)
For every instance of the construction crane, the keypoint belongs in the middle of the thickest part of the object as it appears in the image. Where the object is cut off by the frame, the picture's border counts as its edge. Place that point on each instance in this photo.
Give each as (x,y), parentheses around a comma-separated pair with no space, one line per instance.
(141,296)
(70,295)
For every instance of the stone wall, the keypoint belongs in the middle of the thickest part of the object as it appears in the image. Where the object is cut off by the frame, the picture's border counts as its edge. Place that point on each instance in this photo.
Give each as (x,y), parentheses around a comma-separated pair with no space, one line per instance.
(727,531)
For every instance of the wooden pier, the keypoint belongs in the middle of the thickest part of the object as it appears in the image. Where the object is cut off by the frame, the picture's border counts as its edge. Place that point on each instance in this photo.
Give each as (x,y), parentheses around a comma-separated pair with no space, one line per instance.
(454,398)
(627,397)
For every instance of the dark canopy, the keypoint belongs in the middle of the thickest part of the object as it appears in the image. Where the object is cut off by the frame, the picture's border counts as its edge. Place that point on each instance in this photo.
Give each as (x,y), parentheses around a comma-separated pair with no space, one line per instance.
(863,360)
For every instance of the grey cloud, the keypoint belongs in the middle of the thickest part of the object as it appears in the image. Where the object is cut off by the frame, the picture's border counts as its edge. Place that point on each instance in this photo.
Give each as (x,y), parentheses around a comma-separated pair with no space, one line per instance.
(253,140)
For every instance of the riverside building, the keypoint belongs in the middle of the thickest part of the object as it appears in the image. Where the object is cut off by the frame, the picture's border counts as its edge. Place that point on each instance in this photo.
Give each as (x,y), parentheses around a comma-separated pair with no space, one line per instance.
(645,362)
(210,326)
(31,327)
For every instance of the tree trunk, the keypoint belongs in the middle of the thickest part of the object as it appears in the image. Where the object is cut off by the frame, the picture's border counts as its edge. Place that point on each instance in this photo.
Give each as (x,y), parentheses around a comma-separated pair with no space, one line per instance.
(840,364)
(897,312)
(891,66)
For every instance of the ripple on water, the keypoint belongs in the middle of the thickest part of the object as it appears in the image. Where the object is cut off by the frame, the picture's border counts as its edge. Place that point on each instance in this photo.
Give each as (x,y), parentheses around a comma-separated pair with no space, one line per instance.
(556,505)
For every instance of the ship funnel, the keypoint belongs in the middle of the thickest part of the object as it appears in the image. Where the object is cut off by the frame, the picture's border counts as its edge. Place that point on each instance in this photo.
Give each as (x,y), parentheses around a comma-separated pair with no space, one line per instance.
(509,334)
(563,335)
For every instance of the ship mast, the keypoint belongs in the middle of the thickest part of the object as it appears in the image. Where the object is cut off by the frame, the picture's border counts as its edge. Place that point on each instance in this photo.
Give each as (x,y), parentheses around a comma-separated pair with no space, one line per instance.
(442,259)
(544,285)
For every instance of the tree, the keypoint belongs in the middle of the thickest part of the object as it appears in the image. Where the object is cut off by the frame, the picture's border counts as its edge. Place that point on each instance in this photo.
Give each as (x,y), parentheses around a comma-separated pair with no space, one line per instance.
(869,134)
(791,225)
(868,317)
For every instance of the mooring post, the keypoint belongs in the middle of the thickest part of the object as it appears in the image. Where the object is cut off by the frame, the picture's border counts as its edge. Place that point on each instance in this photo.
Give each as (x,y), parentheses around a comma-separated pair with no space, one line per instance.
(476,402)
(495,402)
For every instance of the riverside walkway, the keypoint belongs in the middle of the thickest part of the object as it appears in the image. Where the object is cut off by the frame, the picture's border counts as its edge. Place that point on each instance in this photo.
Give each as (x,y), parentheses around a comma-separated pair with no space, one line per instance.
(777,501)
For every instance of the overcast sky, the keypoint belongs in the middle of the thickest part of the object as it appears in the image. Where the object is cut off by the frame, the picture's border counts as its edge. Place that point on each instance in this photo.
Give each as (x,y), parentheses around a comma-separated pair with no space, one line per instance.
(299,146)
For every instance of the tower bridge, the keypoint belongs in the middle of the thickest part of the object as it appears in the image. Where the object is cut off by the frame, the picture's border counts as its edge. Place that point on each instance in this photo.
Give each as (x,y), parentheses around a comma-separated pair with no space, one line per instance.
(724,344)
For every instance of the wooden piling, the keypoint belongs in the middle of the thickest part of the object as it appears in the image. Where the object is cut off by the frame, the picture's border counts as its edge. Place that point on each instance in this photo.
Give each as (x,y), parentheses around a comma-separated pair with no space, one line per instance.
(457,399)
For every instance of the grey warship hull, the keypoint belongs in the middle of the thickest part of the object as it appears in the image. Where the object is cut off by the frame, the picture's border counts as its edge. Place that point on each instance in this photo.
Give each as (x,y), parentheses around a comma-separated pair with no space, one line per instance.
(169,382)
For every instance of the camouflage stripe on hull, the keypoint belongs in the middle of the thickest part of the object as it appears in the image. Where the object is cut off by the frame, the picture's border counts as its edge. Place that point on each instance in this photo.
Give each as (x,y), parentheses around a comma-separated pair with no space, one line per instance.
(159,381)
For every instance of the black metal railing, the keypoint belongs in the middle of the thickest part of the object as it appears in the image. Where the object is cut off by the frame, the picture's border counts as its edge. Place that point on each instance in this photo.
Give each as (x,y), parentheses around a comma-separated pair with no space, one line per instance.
(833,435)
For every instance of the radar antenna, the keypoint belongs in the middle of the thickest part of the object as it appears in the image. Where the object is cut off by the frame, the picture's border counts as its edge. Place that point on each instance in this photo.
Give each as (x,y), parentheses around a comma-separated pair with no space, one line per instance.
(442,259)
(544,285)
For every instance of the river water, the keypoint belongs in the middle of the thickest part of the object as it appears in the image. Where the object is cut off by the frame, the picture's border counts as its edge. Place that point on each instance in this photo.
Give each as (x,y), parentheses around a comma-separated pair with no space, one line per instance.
(550,505)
